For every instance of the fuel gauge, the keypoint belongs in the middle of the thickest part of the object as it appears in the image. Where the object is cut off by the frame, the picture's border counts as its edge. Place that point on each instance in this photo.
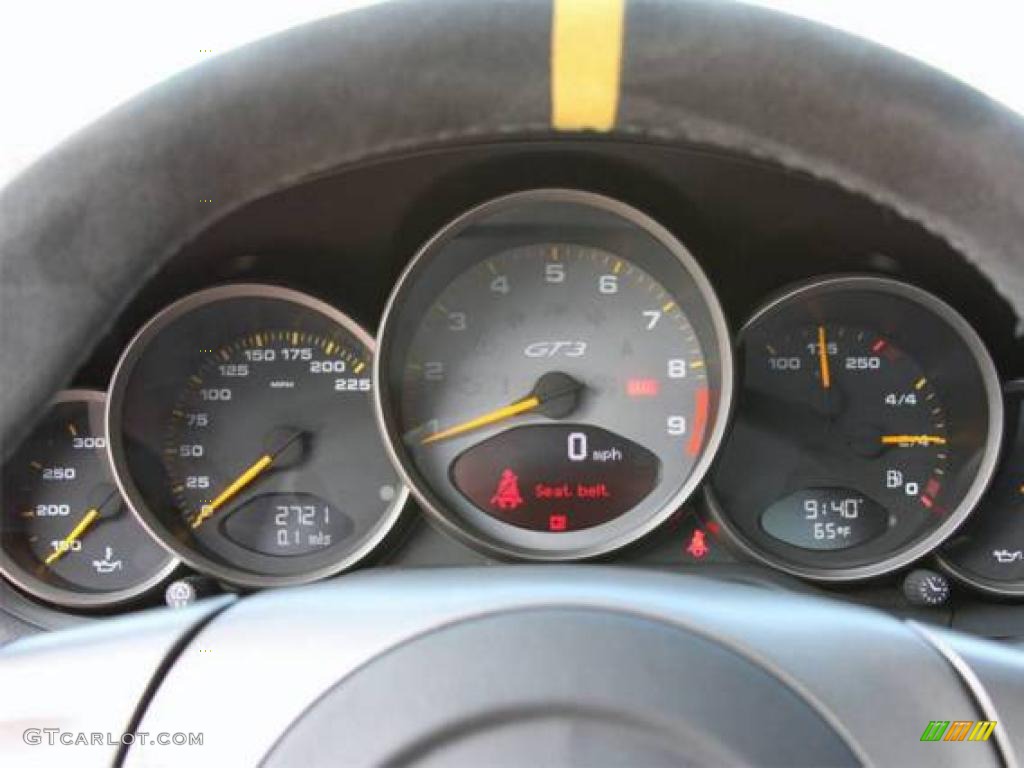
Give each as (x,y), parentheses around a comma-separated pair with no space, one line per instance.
(68,537)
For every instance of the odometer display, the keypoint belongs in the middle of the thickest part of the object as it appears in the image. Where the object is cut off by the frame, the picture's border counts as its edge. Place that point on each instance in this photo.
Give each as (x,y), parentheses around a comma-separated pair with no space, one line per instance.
(554,373)
(242,432)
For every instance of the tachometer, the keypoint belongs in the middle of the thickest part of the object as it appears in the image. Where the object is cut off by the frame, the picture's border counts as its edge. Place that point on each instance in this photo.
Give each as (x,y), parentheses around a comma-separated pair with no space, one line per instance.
(554,374)
(868,426)
(242,433)
(67,535)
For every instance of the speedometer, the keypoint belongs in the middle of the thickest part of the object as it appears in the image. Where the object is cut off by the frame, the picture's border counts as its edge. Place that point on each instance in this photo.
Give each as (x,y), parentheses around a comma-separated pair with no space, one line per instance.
(242,434)
(554,375)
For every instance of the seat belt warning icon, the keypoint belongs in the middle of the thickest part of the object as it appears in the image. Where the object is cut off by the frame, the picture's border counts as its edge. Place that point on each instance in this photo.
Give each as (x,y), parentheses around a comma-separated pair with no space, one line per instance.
(506,495)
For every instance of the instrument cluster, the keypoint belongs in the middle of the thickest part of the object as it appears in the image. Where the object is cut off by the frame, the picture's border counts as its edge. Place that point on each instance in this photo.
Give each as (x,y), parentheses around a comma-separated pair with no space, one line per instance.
(553,379)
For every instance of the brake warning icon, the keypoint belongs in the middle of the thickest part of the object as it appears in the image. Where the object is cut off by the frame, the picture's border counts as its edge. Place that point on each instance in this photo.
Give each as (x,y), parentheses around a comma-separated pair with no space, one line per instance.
(507,495)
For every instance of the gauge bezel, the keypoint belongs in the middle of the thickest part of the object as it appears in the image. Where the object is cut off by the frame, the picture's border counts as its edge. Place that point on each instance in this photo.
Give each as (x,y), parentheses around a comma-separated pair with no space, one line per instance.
(67,598)
(986,469)
(1013,389)
(134,497)
(509,541)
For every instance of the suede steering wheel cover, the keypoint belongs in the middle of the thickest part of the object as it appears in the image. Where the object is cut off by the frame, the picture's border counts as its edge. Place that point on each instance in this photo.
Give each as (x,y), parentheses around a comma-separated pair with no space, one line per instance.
(87,225)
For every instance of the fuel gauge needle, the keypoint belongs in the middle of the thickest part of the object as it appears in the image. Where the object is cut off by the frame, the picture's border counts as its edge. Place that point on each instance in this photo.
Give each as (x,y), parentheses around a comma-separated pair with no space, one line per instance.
(91,516)
(254,470)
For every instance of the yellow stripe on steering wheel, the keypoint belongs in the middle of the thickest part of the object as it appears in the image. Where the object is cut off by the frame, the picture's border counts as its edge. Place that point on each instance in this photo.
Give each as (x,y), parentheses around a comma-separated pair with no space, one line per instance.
(586,59)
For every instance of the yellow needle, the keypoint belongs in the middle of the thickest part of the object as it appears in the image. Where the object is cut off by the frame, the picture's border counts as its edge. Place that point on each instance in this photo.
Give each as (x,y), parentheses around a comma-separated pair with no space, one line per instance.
(826,376)
(913,440)
(492,417)
(76,533)
(232,490)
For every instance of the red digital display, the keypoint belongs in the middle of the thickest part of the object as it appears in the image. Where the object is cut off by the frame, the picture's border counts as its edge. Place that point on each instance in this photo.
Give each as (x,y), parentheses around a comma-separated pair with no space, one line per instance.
(557,477)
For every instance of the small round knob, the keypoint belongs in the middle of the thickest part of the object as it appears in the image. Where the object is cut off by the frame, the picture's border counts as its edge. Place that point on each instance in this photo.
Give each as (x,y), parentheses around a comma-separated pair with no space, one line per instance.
(926,588)
(185,591)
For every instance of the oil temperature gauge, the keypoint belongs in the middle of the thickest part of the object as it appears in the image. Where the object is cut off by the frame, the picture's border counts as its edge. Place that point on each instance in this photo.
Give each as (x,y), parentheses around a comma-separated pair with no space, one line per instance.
(68,537)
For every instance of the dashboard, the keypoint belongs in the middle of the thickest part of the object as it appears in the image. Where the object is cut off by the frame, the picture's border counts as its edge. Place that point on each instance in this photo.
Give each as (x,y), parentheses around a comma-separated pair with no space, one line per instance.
(640,355)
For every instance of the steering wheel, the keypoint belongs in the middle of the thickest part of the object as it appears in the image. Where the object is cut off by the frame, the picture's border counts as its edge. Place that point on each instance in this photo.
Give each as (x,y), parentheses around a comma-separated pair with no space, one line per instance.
(567,665)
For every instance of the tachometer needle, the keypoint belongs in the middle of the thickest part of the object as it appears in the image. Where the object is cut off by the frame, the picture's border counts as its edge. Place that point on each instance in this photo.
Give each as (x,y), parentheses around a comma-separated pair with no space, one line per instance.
(924,440)
(556,392)
(91,516)
(826,375)
(491,417)
(254,470)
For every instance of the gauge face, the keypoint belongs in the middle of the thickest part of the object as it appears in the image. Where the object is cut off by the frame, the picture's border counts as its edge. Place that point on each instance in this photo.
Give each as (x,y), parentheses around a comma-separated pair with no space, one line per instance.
(68,536)
(242,433)
(554,374)
(867,427)
(988,552)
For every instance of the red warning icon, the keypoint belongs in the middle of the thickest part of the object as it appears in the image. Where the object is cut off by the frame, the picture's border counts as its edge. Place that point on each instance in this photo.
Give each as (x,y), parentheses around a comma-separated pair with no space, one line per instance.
(698,547)
(507,495)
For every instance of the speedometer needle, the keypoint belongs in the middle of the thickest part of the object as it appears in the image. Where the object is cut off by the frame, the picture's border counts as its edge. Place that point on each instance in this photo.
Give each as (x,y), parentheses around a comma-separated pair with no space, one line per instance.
(555,394)
(254,470)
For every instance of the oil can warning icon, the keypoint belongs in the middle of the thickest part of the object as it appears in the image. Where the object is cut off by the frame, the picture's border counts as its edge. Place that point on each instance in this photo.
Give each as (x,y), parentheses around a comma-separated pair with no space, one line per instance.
(507,495)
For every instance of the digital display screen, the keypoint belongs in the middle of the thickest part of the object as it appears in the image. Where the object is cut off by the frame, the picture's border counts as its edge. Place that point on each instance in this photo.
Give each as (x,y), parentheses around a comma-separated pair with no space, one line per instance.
(825,519)
(556,477)
(286,524)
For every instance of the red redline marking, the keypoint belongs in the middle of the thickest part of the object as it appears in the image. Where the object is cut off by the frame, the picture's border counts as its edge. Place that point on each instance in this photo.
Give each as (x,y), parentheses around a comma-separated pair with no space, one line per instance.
(926,501)
(878,345)
(700,421)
